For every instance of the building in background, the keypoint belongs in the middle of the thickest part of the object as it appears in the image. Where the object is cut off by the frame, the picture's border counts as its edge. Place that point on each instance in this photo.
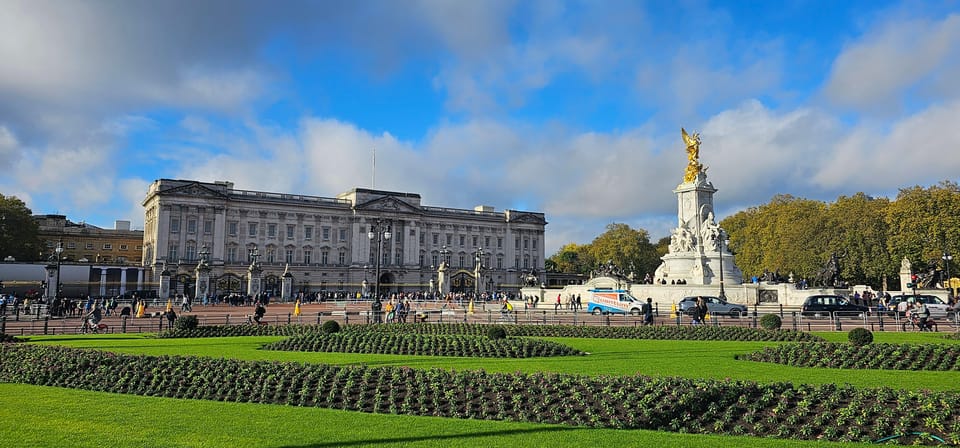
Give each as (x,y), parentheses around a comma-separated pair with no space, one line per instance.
(95,261)
(325,240)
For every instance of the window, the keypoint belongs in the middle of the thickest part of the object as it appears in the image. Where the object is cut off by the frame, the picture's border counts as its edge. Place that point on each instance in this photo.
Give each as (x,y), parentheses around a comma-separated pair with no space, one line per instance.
(516,263)
(343,234)
(121,259)
(449,240)
(172,252)
(499,261)
(398,258)
(307,255)
(326,234)
(107,246)
(499,242)
(231,254)
(191,252)
(308,232)
(139,248)
(191,226)
(291,228)
(343,258)
(87,246)
(422,238)
(413,232)
(435,259)
(461,259)
(517,243)
(174,224)
(123,247)
(535,261)
(436,239)
(386,258)
(253,228)
(271,256)
(208,227)
(271,230)
(462,239)
(289,257)
(422,256)
(474,241)
(324,257)
(486,241)
(232,228)
(535,243)
(526,243)
(71,245)
(526,262)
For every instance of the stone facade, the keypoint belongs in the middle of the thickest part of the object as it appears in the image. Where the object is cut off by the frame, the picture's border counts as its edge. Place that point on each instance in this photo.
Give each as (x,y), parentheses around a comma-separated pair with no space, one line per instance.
(325,240)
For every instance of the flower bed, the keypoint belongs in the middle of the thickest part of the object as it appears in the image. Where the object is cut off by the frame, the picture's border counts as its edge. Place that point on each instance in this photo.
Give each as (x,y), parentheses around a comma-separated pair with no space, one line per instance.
(217,331)
(422,344)
(872,356)
(663,332)
(823,412)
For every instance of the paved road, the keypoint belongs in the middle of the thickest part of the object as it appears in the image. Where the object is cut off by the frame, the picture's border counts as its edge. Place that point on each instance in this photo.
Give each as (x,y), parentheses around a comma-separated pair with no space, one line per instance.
(353,313)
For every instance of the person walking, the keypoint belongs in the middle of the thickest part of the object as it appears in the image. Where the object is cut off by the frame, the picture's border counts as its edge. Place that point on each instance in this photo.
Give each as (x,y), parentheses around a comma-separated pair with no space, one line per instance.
(648,312)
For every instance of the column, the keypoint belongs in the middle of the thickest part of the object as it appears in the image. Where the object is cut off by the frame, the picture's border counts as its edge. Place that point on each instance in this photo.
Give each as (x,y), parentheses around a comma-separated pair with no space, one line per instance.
(103,281)
(123,280)
(219,234)
(139,279)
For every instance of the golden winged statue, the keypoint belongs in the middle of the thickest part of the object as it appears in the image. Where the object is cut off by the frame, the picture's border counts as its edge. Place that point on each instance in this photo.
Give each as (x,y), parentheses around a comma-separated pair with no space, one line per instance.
(693,155)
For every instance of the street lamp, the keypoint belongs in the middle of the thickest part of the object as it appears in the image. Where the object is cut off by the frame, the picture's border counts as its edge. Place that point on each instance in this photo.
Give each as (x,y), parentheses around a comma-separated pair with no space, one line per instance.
(947,258)
(381,232)
(478,271)
(722,241)
(59,251)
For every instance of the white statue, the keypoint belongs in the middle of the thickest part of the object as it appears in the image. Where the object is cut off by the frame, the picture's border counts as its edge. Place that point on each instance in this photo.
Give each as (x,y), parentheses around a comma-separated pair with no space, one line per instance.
(709,233)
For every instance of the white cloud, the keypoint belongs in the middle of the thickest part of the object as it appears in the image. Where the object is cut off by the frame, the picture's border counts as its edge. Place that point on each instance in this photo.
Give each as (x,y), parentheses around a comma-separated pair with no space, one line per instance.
(880,71)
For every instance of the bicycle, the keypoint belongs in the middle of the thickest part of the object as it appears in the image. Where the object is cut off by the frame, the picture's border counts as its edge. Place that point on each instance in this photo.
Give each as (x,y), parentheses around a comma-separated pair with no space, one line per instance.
(95,328)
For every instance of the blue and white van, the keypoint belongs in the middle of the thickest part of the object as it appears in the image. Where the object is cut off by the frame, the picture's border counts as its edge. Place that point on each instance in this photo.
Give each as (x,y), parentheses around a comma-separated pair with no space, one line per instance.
(613,301)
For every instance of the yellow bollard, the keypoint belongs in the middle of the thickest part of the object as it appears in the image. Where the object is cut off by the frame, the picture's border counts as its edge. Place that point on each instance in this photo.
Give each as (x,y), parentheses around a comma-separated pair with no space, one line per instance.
(673,311)
(140,309)
(706,316)
(470,307)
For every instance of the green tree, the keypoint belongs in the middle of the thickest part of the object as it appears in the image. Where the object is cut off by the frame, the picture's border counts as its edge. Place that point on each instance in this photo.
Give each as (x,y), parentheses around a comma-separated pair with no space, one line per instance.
(922,224)
(18,231)
(572,258)
(859,232)
(628,248)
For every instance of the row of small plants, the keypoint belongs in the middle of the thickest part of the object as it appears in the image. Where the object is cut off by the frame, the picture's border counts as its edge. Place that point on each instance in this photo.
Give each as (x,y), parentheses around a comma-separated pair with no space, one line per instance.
(814,412)
(663,332)
(6,338)
(422,344)
(871,356)
(216,331)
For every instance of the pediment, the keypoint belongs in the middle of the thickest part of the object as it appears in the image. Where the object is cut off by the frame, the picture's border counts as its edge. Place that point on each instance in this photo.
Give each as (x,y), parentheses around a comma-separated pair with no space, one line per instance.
(525,218)
(194,189)
(388,204)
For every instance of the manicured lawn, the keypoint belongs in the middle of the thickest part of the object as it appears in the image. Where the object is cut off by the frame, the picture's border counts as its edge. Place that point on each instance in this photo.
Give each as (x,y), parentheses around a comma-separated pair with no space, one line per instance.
(52,417)
(47,416)
(694,359)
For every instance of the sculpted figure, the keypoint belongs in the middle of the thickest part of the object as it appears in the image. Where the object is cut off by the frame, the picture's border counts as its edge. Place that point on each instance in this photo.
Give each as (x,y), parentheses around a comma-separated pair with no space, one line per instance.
(693,155)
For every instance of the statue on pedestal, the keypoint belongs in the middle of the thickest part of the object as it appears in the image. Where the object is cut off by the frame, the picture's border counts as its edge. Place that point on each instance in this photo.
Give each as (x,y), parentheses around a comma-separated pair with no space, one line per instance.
(693,155)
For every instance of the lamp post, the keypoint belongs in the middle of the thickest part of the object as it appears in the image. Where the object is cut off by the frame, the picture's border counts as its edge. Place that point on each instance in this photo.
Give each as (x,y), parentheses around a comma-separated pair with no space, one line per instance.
(59,251)
(947,258)
(380,232)
(478,270)
(722,241)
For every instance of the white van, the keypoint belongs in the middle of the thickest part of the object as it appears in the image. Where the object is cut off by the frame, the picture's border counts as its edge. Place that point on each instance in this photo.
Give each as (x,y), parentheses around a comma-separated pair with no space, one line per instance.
(613,301)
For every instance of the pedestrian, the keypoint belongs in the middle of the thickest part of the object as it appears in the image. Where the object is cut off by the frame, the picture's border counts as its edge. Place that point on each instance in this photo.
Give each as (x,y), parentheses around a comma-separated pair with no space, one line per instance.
(558,305)
(648,312)
(171,316)
(375,308)
(700,311)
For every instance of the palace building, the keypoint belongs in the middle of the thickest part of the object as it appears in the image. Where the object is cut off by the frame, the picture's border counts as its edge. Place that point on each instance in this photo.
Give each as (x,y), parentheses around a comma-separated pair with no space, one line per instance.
(331,245)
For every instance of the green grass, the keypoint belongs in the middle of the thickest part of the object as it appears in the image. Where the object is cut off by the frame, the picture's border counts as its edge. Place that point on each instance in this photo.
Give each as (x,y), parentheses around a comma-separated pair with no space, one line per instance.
(48,416)
(694,359)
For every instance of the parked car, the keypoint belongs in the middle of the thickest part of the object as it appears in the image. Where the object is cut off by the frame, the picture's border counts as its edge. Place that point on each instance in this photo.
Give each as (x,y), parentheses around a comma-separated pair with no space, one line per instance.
(825,304)
(938,308)
(715,306)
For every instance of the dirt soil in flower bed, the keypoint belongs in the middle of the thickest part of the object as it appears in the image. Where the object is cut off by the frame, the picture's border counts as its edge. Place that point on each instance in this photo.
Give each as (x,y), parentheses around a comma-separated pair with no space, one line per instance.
(782,410)
(871,356)
(662,332)
(423,344)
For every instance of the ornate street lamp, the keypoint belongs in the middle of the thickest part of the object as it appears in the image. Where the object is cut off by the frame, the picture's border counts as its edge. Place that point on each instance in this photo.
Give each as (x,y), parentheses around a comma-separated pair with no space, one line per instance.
(59,251)
(478,270)
(947,258)
(721,242)
(380,232)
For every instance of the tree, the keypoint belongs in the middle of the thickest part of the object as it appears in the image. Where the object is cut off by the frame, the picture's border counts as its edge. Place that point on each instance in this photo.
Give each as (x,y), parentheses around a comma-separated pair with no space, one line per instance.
(629,249)
(18,231)
(571,259)
(922,224)
(860,234)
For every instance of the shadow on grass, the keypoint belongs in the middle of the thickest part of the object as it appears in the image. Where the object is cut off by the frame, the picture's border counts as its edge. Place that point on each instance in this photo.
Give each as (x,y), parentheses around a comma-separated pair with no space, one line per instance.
(467,435)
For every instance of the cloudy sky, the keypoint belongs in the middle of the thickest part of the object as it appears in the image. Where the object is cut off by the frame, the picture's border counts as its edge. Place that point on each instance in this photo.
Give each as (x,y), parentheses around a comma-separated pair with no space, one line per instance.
(570,108)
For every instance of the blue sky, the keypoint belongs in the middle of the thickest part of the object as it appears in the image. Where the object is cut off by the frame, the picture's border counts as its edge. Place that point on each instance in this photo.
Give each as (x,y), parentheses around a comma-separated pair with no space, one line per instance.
(570,108)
